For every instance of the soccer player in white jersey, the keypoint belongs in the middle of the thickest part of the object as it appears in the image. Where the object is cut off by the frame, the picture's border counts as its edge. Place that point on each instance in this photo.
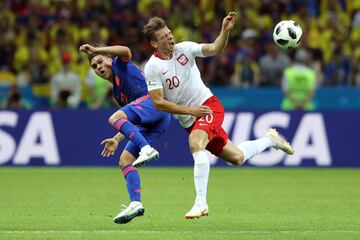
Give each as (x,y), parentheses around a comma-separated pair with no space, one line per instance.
(175,86)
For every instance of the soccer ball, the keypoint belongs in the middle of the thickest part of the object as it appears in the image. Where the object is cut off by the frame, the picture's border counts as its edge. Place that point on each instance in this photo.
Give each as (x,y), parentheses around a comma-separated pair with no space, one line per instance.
(287,34)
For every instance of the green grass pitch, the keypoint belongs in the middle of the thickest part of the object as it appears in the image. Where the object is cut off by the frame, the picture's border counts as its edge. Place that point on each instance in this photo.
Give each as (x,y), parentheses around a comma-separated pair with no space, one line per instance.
(244,203)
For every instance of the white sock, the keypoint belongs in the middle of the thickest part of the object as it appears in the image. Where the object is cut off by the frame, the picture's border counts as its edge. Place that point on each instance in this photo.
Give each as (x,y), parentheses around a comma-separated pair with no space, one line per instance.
(251,148)
(201,174)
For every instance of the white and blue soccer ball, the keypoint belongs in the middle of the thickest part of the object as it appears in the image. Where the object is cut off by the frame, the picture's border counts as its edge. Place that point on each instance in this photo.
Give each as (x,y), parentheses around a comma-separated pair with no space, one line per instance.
(287,34)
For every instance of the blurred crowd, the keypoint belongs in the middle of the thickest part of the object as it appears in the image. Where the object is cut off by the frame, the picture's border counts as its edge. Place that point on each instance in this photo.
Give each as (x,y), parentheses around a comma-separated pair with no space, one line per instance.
(40,39)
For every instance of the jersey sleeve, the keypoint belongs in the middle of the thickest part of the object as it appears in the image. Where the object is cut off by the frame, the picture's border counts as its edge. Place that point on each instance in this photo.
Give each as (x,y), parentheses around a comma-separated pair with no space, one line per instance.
(152,77)
(118,61)
(194,48)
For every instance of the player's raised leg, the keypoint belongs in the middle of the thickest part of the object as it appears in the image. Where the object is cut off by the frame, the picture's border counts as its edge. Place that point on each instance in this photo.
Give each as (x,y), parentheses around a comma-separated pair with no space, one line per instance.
(132,179)
(162,120)
(123,121)
(237,155)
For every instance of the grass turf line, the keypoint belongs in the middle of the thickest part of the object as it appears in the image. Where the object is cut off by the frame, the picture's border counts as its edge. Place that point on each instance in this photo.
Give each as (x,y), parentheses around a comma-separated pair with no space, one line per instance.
(245,203)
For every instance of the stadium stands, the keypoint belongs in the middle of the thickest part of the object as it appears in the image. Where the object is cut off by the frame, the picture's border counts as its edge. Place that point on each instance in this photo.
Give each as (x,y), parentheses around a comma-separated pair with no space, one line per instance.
(35,34)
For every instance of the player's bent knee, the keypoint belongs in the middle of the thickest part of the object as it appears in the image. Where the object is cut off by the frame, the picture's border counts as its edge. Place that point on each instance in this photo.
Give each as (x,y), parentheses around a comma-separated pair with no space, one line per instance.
(238,162)
(112,119)
(115,116)
(237,159)
(195,146)
(197,143)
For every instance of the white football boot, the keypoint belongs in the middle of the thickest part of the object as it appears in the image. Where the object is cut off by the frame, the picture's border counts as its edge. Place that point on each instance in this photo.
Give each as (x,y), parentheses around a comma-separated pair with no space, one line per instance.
(278,142)
(134,209)
(198,210)
(146,154)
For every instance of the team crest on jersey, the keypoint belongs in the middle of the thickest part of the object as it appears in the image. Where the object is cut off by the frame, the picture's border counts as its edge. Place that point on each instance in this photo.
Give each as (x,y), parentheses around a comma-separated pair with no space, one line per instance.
(182,59)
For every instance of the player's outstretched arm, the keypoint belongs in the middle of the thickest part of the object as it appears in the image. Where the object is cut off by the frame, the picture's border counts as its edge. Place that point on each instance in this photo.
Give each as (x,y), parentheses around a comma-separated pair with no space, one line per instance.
(218,46)
(122,51)
(161,104)
(111,145)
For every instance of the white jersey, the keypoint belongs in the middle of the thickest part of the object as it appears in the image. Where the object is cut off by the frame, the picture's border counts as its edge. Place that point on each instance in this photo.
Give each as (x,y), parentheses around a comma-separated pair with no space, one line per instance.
(179,78)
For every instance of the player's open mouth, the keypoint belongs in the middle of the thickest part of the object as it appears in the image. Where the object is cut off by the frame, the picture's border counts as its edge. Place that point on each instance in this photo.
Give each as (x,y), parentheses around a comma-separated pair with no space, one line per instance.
(102,72)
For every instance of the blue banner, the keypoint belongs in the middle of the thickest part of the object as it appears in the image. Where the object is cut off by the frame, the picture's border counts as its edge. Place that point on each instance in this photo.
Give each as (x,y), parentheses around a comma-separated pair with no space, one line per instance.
(72,138)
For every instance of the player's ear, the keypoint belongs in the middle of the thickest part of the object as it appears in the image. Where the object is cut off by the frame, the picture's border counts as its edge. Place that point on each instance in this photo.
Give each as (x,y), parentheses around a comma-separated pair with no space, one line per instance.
(154,44)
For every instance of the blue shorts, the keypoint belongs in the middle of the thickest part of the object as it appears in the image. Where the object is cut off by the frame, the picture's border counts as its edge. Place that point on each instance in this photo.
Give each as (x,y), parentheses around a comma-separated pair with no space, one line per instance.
(152,122)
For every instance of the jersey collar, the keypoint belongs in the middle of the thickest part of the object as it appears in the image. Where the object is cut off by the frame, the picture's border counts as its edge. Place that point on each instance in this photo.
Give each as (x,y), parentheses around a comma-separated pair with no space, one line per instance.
(156,54)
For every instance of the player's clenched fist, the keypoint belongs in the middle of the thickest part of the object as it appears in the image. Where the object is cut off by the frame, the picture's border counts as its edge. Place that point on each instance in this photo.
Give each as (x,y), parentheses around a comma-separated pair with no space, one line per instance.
(229,21)
(87,48)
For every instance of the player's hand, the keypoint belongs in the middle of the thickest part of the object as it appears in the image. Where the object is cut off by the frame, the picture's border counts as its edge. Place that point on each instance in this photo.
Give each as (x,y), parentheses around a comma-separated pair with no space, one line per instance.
(229,21)
(87,48)
(109,147)
(200,111)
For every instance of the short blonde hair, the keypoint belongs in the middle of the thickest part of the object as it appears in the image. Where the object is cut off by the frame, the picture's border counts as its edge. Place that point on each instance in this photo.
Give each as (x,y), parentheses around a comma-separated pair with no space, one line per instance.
(154,24)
